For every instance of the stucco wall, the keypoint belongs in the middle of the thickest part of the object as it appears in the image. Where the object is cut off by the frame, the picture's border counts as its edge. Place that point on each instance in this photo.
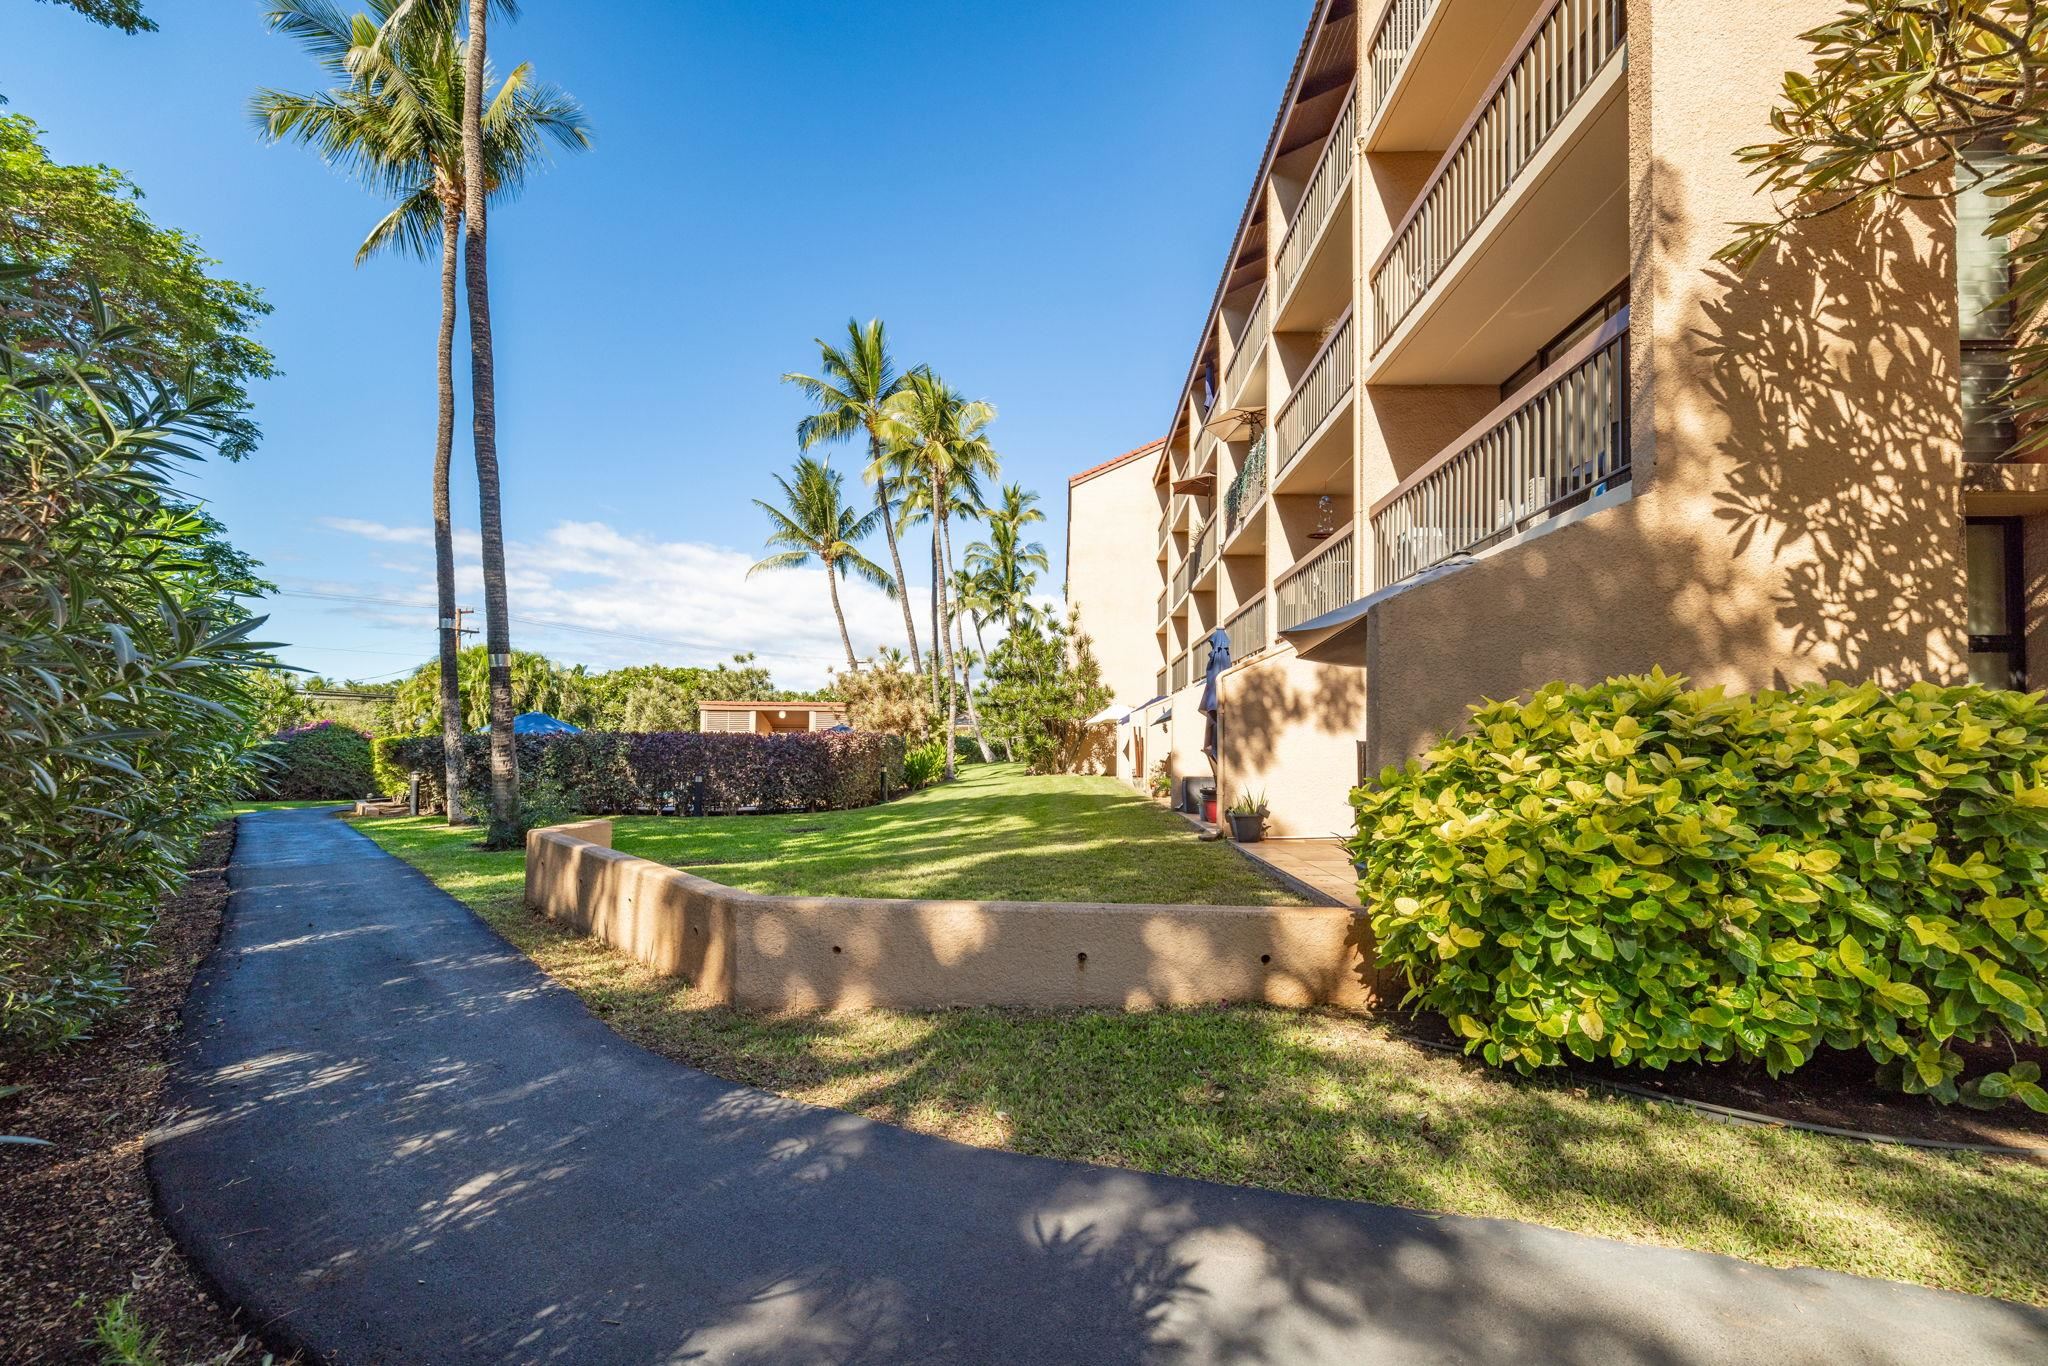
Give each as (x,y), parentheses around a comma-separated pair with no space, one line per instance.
(1796,434)
(1290,730)
(1112,534)
(802,953)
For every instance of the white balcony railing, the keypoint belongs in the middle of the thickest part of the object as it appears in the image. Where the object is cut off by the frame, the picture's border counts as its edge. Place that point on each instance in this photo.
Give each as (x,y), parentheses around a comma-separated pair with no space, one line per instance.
(1180,672)
(1560,56)
(1332,173)
(1563,439)
(1321,583)
(1247,629)
(1321,389)
(1388,52)
(1200,557)
(1251,347)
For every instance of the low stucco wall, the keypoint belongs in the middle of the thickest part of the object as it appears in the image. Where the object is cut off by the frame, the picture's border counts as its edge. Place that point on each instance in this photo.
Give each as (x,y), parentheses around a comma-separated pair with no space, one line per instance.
(798,953)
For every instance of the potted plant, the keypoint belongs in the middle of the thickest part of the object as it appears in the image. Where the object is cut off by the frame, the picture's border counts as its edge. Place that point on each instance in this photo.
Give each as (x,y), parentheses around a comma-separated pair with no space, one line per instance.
(1248,818)
(1162,785)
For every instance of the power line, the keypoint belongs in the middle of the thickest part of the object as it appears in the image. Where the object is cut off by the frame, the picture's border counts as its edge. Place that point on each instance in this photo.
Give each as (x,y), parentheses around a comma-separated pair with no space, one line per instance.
(551,624)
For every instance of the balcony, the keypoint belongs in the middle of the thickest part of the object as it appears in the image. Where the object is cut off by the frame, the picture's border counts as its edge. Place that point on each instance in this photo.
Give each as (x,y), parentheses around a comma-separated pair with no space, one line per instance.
(1387,53)
(1430,63)
(1165,596)
(1325,190)
(1561,441)
(1323,387)
(1523,220)
(1246,490)
(1251,349)
(1320,583)
(1179,679)
(1247,629)
(1200,557)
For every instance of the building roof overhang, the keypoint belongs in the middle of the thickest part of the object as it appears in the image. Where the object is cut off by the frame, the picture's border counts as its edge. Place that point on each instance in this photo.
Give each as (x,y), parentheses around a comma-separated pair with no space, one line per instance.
(1339,636)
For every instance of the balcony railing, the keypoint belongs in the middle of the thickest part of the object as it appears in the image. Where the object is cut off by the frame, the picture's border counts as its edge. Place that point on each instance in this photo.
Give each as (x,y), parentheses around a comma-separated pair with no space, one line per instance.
(1165,594)
(1317,396)
(1251,346)
(1203,555)
(1180,671)
(1333,171)
(1321,583)
(1389,49)
(1247,628)
(1198,660)
(1563,439)
(1560,56)
(1159,688)
(1246,489)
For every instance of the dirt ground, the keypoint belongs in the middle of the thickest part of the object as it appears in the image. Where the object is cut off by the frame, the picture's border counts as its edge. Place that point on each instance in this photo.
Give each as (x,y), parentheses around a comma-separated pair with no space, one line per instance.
(80,1229)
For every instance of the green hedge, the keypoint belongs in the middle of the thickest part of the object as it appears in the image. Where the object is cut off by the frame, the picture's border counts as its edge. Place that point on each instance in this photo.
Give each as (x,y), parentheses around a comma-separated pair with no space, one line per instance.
(1649,875)
(614,771)
(325,761)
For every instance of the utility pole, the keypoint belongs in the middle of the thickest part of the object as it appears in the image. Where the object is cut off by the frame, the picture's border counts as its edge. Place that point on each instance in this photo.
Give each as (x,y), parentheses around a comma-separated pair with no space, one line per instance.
(460,629)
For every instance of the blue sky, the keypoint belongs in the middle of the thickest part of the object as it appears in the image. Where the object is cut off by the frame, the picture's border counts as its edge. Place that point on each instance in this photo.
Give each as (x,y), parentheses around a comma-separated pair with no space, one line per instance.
(1036,197)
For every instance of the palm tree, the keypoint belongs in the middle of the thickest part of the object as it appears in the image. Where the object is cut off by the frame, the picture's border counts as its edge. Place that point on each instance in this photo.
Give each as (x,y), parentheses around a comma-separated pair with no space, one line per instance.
(1006,564)
(394,121)
(814,523)
(946,436)
(852,397)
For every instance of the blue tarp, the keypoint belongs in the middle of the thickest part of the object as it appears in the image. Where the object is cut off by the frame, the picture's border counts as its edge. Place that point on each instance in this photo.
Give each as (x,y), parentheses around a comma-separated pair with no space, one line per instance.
(536,723)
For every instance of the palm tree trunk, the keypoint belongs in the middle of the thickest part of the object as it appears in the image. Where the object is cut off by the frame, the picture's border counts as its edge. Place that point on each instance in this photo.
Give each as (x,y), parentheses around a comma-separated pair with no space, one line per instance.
(1009,750)
(967,684)
(444,531)
(931,666)
(504,831)
(944,626)
(832,583)
(889,530)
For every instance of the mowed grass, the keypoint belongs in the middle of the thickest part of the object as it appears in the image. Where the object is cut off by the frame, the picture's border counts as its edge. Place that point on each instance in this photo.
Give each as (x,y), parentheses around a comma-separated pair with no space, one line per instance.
(995,834)
(248,808)
(1318,1103)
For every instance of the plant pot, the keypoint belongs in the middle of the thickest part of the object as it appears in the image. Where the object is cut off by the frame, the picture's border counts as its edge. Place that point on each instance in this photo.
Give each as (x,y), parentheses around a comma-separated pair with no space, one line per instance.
(1247,829)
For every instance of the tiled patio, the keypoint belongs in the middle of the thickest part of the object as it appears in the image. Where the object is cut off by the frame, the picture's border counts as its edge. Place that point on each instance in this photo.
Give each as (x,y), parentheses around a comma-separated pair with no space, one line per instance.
(1321,864)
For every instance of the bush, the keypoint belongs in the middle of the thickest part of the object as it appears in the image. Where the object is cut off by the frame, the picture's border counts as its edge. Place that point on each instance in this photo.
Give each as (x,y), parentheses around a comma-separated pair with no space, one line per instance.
(615,771)
(923,766)
(1652,875)
(1044,684)
(325,761)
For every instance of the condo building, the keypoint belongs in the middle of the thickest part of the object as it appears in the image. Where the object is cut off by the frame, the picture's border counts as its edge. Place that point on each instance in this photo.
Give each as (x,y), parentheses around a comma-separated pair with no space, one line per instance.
(1474,409)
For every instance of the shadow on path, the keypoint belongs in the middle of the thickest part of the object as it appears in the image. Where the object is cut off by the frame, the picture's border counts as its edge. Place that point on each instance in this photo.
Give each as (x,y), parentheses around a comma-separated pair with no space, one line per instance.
(395,1140)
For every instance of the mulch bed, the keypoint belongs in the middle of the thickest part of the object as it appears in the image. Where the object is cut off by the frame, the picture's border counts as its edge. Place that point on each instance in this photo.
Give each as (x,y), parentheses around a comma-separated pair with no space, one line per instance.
(1836,1089)
(80,1226)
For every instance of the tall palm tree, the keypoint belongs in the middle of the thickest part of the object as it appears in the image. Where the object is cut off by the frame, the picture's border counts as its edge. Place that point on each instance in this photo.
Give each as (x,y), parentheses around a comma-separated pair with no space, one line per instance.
(852,397)
(946,435)
(1006,564)
(394,121)
(814,523)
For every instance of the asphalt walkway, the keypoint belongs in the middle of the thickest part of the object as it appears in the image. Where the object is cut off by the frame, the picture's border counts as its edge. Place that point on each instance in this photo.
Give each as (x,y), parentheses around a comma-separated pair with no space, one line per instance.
(398,1142)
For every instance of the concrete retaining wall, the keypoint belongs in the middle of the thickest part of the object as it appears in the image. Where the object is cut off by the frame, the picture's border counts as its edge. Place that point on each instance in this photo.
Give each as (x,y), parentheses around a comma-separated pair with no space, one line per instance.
(796,953)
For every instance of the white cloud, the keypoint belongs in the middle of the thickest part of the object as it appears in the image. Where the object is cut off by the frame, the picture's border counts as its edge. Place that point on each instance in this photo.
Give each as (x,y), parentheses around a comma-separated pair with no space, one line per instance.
(672,602)
(378,531)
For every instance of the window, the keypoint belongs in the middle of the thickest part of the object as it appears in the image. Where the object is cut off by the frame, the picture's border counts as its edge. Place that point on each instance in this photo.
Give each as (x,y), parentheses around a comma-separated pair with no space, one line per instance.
(1582,327)
(1984,315)
(1997,603)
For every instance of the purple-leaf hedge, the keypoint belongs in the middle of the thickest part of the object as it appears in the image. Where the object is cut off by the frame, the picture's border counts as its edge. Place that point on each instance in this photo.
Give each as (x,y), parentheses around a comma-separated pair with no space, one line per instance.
(604,772)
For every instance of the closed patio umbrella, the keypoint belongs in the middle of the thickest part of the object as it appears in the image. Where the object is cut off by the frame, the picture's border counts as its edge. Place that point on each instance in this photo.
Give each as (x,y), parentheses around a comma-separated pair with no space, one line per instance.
(1219,660)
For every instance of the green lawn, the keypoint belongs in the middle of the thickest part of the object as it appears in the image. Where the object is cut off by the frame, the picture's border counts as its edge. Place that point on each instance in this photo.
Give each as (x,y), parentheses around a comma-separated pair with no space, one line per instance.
(1315,1102)
(247,808)
(995,834)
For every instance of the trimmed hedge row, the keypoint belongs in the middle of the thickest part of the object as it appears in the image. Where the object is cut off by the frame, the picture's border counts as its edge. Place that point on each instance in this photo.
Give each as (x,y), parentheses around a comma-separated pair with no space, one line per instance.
(325,761)
(1651,875)
(605,772)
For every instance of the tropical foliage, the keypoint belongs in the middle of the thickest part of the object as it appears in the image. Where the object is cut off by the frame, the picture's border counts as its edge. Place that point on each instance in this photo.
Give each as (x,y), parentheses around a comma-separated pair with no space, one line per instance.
(125,15)
(1650,875)
(605,772)
(83,230)
(1044,684)
(885,696)
(814,525)
(124,652)
(318,762)
(1911,100)
(641,697)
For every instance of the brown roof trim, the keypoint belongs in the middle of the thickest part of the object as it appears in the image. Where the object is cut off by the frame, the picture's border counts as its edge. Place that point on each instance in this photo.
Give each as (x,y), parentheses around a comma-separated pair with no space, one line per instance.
(756,706)
(1106,466)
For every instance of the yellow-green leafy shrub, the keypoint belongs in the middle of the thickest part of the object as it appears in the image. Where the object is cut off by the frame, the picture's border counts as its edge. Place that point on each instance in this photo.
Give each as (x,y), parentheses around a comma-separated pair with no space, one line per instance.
(1650,875)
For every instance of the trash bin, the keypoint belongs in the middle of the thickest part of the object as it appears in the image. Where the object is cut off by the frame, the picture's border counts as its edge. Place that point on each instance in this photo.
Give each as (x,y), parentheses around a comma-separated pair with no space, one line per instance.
(1191,795)
(1209,805)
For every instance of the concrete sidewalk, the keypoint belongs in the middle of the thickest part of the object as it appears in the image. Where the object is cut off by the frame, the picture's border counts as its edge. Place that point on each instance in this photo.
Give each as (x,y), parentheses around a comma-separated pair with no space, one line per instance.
(397,1142)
